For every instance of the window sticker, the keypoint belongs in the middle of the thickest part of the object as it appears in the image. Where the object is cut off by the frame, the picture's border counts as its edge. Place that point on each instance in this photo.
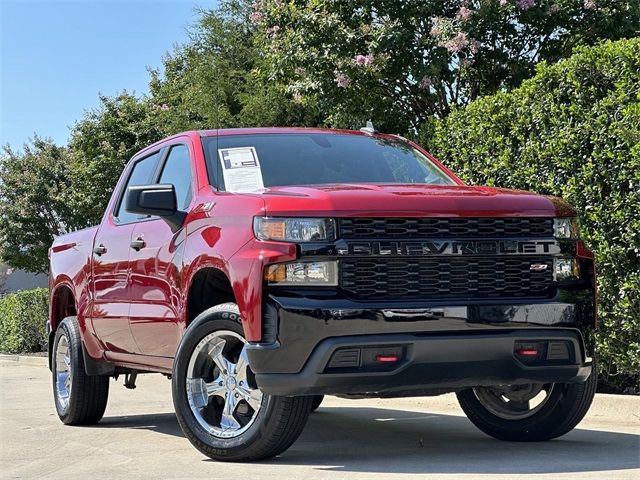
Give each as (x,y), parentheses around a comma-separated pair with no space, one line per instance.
(241,169)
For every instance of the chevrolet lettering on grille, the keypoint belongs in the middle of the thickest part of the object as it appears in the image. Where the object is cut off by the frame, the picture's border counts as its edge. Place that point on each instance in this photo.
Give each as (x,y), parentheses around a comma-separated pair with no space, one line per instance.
(471,247)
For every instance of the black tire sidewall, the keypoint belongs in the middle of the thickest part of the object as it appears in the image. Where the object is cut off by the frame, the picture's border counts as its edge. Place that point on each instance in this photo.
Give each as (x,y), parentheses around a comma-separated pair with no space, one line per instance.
(89,394)
(542,425)
(213,319)
(552,404)
(64,331)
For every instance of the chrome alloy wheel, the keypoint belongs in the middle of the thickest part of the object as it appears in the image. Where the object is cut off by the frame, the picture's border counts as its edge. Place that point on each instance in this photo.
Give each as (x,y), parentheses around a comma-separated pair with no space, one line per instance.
(514,402)
(64,377)
(220,385)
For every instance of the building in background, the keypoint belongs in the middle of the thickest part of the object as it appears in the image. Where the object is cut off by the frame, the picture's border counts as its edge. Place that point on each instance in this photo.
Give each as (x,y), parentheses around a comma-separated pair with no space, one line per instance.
(13,280)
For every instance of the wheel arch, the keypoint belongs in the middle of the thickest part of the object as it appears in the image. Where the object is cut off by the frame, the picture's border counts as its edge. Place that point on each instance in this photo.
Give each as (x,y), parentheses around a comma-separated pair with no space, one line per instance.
(62,304)
(209,286)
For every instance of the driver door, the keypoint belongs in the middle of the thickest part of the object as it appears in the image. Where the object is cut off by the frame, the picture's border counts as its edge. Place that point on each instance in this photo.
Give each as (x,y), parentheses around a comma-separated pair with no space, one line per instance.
(156,261)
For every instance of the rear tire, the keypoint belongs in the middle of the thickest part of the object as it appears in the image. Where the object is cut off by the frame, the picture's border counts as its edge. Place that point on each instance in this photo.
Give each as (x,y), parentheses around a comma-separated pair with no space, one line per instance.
(80,399)
(219,408)
(565,407)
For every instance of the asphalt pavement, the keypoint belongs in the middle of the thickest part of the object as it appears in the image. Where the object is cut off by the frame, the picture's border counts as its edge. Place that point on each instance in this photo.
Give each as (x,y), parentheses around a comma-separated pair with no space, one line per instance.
(139,437)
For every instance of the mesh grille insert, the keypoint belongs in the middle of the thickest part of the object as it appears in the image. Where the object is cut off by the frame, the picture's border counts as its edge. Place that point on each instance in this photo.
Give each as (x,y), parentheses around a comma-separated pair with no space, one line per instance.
(446,278)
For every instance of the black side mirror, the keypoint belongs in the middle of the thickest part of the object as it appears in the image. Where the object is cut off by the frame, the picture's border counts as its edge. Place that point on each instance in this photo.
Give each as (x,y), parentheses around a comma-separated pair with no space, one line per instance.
(159,200)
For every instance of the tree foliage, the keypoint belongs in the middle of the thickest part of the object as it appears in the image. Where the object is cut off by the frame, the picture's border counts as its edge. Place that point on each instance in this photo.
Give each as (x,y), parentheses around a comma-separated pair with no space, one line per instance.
(48,189)
(211,81)
(33,202)
(101,144)
(402,62)
(23,316)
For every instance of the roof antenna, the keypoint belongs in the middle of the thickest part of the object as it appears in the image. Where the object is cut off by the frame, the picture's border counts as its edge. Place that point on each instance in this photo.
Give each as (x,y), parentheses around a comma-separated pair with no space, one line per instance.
(369,129)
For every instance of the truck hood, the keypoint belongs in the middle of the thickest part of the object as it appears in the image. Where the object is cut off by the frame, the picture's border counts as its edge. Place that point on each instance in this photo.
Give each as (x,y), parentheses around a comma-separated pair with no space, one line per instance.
(409,200)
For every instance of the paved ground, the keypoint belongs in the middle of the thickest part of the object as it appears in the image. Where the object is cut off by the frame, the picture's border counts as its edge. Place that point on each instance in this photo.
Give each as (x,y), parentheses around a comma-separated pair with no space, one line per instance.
(409,438)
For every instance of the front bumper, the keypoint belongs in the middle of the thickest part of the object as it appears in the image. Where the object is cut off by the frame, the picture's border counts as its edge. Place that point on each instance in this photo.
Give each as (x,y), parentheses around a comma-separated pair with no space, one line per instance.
(439,348)
(427,365)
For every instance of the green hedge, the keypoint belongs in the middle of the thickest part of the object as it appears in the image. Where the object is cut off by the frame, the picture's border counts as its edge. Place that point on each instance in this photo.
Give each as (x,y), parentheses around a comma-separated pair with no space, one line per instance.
(573,131)
(23,316)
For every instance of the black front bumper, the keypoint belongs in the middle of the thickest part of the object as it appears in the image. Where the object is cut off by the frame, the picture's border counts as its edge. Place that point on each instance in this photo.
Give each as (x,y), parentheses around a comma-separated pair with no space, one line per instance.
(439,348)
(428,364)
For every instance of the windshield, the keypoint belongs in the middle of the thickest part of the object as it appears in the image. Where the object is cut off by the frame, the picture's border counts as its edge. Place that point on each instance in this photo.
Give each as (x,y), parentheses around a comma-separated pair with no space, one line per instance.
(317,158)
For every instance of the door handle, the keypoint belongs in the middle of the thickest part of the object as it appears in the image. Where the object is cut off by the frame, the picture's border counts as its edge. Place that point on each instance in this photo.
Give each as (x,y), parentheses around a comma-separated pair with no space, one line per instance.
(138,244)
(100,250)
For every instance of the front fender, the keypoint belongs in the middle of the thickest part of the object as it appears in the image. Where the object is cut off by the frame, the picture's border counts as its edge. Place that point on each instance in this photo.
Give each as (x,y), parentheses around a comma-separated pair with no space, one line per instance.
(243,267)
(246,269)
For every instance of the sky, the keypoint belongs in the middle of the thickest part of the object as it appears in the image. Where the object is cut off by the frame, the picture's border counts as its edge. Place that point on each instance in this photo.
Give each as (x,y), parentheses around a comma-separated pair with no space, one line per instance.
(57,56)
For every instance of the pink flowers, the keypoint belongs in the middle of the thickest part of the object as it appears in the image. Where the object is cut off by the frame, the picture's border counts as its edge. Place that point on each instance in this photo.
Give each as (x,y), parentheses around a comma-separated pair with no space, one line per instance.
(589,5)
(301,71)
(342,80)
(363,60)
(425,83)
(164,107)
(256,16)
(271,31)
(525,4)
(464,13)
(436,30)
(554,8)
(504,3)
(460,42)
(456,44)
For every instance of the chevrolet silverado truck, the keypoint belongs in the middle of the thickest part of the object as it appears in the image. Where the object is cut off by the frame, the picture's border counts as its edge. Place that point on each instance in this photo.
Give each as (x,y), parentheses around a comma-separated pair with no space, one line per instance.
(260,269)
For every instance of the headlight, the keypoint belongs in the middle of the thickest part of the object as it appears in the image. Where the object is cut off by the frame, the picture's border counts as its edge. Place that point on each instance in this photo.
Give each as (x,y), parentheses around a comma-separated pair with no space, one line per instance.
(566,228)
(310,274)
(294,229)
(566,269)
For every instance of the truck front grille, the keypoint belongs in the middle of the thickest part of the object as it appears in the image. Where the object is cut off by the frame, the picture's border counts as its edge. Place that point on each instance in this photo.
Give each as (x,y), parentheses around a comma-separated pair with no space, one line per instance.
(436,278)
(511,227)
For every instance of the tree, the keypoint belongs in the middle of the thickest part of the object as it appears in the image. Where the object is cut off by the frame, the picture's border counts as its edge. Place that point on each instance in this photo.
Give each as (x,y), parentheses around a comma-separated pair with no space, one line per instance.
(34,185)
(402,62)
(213,82)
(101,144)
(48,190)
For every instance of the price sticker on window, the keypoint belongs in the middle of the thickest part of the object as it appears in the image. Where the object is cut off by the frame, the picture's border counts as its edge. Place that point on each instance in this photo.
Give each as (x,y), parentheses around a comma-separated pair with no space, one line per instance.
(241,169)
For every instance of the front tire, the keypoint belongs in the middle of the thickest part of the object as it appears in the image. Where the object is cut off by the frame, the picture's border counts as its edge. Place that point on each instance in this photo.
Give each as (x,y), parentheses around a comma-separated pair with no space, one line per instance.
(218,405)
(80,399)
(507,412)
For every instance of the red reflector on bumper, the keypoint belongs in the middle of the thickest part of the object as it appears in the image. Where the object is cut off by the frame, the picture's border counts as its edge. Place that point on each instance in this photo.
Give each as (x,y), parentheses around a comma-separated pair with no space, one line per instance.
(527,352)
(387,358)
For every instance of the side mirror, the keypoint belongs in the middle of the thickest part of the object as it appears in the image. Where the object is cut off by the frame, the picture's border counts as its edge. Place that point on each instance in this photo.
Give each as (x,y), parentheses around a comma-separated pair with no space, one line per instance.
(159,200)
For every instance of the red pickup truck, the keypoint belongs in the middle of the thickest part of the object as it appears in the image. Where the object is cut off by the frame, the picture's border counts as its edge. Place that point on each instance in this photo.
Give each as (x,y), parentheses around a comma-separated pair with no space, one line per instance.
(261,269)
